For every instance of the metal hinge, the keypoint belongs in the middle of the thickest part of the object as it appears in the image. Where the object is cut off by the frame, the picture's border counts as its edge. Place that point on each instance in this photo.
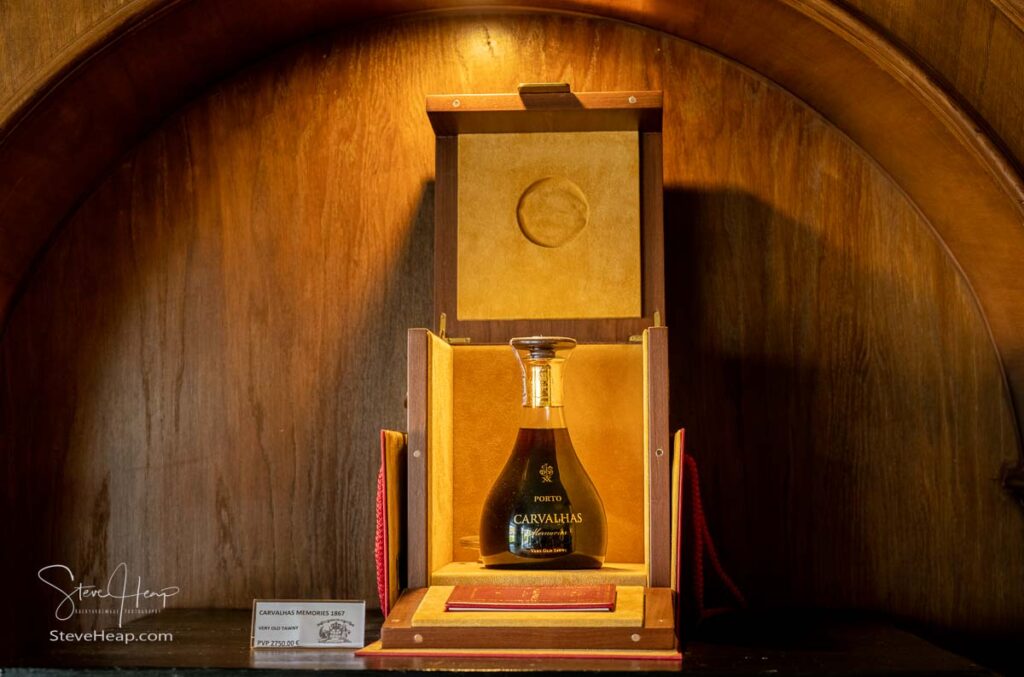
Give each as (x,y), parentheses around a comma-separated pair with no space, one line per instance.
(443,333)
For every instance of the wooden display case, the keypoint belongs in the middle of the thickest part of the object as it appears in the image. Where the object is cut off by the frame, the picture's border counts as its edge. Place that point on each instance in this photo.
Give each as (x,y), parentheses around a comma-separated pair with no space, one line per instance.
(547,221)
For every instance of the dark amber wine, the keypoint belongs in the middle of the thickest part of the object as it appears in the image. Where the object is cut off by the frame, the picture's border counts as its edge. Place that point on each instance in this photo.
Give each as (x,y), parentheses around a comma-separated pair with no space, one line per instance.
(543,511)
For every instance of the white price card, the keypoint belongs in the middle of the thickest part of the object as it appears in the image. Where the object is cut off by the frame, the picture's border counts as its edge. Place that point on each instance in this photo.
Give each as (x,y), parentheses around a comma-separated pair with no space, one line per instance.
(305,624)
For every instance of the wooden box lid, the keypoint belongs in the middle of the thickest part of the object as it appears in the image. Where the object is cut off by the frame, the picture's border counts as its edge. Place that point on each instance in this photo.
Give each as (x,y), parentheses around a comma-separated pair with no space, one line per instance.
(548,214)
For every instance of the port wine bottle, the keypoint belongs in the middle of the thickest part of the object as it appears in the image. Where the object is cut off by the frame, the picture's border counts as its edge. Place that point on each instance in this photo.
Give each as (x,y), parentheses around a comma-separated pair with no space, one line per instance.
(543,511)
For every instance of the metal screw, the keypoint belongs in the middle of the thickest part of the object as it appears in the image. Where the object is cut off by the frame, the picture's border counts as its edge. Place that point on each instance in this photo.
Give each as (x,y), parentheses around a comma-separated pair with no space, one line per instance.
(416,454)
(632,99)
(456,103)
(659,452)
(419,639)
(635,637)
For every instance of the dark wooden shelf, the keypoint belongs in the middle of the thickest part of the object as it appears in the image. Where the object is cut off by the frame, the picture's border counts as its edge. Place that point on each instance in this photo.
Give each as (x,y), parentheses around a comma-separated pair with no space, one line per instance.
(783,644)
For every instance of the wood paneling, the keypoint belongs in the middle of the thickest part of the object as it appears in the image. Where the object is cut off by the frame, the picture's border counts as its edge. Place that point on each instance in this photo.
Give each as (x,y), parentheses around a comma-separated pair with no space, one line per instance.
(195,372)
(814,356)
(976,46)
(104,90)
(101,93)
(40,38)
(971,43)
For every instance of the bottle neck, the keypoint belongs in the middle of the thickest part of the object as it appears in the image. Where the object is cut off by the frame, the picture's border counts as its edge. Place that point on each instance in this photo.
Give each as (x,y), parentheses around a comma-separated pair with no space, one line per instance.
(542,382)
(542,394)
(541,417)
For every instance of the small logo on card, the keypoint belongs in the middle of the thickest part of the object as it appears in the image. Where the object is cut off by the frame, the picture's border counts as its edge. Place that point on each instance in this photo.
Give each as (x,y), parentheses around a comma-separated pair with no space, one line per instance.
(334,631)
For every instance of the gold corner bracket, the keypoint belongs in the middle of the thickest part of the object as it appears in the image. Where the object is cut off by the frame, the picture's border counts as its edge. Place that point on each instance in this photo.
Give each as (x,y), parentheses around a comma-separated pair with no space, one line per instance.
(442,332)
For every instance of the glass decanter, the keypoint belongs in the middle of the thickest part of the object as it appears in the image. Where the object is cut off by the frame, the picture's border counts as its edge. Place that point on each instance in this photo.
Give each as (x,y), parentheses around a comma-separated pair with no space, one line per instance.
(543,511)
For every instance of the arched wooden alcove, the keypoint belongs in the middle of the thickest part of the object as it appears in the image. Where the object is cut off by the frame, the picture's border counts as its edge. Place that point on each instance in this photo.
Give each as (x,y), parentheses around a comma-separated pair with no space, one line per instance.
(206,306)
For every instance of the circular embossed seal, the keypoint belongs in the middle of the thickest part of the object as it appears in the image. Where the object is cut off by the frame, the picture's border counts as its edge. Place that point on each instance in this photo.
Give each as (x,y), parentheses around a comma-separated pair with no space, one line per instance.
(552,211)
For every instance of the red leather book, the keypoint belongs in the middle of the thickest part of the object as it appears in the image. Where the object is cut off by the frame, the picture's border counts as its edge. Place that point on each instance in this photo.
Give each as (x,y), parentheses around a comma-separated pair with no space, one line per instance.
(531,598)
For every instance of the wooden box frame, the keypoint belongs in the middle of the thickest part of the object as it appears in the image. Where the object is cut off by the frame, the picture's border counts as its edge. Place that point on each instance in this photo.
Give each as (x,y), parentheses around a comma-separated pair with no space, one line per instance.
(635,343)
(425,424)
(454,115)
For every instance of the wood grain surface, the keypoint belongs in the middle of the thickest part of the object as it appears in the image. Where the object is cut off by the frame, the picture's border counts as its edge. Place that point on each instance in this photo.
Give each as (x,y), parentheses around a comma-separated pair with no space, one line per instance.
(655,631)
(40,38)
(196,369)
(658,471)
(975,46)
(112,84)
(417,567)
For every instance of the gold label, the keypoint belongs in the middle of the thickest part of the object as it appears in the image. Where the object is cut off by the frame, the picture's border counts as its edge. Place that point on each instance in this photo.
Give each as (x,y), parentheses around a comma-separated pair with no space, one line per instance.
(548,518)
(540,386)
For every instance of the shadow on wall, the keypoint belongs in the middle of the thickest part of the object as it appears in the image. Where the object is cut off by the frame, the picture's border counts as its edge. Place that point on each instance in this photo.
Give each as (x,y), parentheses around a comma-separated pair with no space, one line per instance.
(849,450)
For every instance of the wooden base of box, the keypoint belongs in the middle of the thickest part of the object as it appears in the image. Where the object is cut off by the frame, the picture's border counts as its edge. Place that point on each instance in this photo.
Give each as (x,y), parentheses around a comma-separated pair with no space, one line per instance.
(376,649)
(474,573)
(657,633)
